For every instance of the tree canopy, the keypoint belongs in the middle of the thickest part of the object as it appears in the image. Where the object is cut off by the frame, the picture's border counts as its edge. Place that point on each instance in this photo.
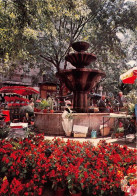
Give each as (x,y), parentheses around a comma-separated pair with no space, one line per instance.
(39,33)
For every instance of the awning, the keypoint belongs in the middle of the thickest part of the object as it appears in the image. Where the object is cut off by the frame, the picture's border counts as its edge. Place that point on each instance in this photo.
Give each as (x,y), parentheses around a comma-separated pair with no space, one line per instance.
(130,76)
(21,90)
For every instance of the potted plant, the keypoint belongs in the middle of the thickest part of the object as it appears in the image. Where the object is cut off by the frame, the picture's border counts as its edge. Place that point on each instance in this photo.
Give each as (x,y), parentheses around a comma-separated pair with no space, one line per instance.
(74,188)
(75,180)
(119,132)
(37,107)
(59,188)
(131,98)
(44,105)
(51,105)
(59,179)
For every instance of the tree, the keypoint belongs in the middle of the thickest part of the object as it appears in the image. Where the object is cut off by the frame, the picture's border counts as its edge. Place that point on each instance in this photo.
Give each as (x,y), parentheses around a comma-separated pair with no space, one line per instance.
(117,17)
(47,28)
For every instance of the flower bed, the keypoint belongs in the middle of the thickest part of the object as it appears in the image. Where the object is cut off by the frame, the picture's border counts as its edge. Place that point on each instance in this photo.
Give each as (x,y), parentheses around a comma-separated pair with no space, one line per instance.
(31,165)
(129,182)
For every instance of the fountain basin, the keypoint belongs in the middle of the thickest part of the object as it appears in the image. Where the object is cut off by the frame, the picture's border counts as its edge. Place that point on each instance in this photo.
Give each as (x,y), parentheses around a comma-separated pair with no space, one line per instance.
(82,79)
(80,60)
(80,46)
(51,123)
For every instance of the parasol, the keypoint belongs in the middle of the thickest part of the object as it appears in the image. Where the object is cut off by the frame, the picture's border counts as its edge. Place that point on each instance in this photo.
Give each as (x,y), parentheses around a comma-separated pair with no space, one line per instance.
(21,90)
(130,76)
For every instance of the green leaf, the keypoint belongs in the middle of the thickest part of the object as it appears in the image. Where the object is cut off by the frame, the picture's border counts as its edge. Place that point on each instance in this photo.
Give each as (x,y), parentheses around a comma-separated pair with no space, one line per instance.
(10,163)
(102,192)
(4,169)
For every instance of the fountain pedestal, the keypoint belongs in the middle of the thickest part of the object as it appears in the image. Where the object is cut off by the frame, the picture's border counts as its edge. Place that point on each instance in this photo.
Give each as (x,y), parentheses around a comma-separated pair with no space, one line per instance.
(80,102)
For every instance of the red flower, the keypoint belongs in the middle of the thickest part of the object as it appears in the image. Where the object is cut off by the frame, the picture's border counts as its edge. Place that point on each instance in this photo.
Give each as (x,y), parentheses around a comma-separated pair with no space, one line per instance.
(4,187)
(16,187)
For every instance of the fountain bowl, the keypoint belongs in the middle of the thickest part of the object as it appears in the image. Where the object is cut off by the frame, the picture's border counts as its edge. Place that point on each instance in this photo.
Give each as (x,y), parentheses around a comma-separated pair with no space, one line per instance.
(80,46)
(82,79)
(80,60)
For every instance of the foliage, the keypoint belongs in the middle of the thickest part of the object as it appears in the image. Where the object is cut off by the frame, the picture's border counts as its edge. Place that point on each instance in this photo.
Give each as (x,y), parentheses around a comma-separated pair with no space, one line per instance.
(30,164)
(50,103)
(132,97)
(4,130)
(70,115)
(47,29)
(131,101)
(120,130)
(26,109)
(44,104)
(129,182)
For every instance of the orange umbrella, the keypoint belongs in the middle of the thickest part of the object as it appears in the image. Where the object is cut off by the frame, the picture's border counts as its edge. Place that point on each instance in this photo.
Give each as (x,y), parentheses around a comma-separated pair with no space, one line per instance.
(130,76)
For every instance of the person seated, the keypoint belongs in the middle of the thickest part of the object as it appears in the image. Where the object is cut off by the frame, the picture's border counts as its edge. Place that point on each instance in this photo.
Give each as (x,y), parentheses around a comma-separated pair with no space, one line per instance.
(102,105)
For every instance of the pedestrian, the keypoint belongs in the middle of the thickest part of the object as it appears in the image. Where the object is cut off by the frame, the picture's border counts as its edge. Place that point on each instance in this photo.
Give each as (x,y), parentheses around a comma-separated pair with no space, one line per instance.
(67,118)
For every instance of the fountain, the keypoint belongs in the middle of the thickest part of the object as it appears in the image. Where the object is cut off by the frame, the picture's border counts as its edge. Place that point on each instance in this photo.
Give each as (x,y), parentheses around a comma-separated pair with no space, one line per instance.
(80,80)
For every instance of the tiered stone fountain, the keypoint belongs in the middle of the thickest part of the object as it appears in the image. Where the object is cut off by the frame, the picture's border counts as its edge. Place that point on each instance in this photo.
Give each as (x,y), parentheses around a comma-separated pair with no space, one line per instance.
(80,80)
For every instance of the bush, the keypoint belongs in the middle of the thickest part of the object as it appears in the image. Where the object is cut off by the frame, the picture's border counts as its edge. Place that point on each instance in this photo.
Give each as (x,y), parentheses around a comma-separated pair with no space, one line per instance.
(28,165)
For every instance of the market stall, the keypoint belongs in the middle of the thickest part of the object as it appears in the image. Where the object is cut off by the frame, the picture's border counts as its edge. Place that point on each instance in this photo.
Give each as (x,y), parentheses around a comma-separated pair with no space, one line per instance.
(15,100)
(20,90)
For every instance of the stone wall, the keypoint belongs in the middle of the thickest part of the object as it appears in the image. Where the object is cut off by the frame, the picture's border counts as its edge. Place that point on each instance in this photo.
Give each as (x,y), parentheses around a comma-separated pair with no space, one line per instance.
(51,123)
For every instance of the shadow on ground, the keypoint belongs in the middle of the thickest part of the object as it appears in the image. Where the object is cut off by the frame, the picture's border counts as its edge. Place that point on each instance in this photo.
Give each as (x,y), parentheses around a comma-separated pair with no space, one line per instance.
(128,142)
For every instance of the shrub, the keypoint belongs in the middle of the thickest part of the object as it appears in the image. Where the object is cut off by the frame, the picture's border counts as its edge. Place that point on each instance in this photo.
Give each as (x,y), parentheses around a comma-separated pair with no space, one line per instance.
(35,163)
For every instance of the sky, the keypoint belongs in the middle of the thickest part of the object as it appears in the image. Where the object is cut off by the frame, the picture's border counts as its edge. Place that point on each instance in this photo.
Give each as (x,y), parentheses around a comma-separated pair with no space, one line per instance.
(131,0)
(132,63)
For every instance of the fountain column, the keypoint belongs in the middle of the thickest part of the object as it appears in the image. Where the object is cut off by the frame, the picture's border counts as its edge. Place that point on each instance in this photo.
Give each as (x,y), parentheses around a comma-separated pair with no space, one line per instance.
(80,101)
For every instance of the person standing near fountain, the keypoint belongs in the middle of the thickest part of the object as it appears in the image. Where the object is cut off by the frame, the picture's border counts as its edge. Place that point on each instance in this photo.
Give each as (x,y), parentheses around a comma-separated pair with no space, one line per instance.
(67,117)
(121,100)
(102,105)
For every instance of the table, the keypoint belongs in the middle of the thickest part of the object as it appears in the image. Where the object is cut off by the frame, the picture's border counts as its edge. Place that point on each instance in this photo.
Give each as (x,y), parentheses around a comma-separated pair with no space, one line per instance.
(116,117)
(24,125)
(18,130)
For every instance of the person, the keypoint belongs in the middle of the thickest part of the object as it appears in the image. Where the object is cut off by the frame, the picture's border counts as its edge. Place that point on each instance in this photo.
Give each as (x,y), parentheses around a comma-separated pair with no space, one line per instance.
(67,109)
(67,118)
(27,112)
(50,102)
(32,103)
(102,105)
(30,110)
(114,104)
(108,105)
(121,100)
